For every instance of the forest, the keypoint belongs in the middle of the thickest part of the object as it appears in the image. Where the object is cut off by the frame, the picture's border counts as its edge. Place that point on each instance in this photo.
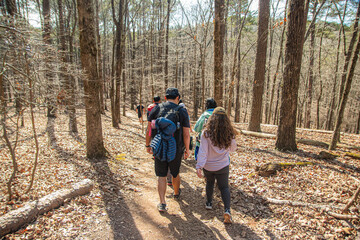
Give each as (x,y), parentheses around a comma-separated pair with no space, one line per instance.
(72,73)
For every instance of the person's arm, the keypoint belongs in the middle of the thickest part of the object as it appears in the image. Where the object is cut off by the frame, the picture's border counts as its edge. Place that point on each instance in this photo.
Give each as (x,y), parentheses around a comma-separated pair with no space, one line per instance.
(186,136)
(148,139)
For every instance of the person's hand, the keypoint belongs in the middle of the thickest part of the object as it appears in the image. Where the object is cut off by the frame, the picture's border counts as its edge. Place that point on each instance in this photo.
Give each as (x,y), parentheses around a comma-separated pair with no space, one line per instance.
(186,154)
(199,172)
(149,150)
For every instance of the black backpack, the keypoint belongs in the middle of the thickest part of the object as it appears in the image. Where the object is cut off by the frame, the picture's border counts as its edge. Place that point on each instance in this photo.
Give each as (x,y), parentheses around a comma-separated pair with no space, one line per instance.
(171,112)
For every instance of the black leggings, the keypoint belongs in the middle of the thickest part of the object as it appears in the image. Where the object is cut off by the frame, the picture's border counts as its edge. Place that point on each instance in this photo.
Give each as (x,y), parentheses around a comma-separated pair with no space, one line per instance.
(222,178)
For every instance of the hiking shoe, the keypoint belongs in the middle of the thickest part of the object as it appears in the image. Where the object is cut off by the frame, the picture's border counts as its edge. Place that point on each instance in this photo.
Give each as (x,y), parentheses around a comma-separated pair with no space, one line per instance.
(161,207)
(208,205)
(227,216)
(177,196)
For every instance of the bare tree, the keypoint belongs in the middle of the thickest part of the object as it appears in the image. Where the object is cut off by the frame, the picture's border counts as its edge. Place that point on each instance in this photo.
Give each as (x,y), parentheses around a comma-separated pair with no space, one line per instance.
(219,32)
(286,135)
(347,87)
(94,139)
(260,62)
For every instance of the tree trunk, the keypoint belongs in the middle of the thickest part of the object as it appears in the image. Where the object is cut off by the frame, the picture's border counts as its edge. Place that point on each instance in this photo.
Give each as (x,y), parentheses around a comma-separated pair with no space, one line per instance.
(260,62)
(219,32)
(311,78)
(94,139)
(271,29)
(166,67)
(11,7)
(50,102)
(286,135)
(340,114)
(71,83)
(123,58)
(99,59)
(348,55)
(332,106)
(358,124)
(118,69)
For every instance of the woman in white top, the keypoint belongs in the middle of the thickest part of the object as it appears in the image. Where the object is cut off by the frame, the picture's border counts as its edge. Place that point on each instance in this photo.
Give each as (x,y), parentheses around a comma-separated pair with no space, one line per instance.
(217,141)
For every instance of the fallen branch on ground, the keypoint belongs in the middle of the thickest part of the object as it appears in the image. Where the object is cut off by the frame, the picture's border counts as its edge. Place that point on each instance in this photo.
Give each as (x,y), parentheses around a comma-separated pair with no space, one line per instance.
(13,220)
(352,155)
(324,208)
(269,169)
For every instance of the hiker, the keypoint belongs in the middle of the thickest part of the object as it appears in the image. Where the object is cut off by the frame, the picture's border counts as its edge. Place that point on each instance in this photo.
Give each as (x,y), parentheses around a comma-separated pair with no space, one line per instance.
(170,143)
(156,101)
(140,109)
(217,141)
(210,105)
(169,177)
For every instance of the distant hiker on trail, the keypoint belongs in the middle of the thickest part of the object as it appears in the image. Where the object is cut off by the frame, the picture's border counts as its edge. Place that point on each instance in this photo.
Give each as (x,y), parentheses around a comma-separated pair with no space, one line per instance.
(217,141)
(210,105)
(156,101)
(140,109)
(170,143)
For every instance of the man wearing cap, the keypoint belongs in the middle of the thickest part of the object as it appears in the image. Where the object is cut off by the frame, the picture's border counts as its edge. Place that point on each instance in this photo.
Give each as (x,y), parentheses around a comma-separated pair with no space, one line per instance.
(182,138)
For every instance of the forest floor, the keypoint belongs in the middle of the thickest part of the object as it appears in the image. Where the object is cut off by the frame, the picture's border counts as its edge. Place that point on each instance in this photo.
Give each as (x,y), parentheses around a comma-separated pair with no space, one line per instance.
(123,203)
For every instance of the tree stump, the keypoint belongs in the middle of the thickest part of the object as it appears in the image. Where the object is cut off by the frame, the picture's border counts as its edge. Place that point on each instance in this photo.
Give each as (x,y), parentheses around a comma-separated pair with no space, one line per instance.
(267,169)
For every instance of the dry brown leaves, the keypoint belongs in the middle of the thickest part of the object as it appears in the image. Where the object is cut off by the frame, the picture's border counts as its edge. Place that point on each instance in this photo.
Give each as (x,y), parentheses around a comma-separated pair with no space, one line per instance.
(325,183)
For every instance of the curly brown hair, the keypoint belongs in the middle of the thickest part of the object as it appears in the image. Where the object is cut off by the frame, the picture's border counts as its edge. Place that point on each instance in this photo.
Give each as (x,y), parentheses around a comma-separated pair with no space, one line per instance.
(220,130)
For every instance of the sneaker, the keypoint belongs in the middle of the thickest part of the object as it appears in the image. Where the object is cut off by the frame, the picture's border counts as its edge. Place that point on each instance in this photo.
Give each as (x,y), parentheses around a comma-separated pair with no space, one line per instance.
(177,196)
(161,207)
(227,216)
(208,205)
(169,183)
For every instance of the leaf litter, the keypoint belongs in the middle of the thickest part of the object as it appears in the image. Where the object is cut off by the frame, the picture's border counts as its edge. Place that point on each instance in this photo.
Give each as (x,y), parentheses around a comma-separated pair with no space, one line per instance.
(127,177)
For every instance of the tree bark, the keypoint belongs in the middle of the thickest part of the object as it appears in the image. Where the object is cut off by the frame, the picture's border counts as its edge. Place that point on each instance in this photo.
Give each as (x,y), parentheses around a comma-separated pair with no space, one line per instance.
(260,62)
(99,59)
(88,47)
(277,67)
(340,114)
(15,219)
(166,67)
(219,32)
(286,135)
(72,85)
(311,78)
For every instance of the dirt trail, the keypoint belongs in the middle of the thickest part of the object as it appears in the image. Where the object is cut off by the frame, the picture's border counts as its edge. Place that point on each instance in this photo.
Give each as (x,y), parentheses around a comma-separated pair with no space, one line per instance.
(186,218)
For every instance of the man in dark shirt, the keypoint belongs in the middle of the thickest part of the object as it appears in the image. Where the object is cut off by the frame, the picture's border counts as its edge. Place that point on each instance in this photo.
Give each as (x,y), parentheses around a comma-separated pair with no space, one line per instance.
(140,109)
(182,145)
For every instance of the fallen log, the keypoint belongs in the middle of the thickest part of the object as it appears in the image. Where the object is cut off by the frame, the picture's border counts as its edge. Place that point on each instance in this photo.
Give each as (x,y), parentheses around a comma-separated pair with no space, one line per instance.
(312,142)
(273,136)
(258,134)
(15,219)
